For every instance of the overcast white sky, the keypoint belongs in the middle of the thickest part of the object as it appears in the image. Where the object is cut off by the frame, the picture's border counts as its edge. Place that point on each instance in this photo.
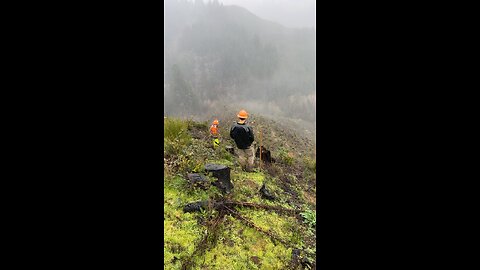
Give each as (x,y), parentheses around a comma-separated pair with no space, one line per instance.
(290,13)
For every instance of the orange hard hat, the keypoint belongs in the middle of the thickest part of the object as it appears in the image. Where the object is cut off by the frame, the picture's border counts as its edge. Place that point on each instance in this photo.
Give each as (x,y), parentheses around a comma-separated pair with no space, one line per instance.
(242,114)
(215,122)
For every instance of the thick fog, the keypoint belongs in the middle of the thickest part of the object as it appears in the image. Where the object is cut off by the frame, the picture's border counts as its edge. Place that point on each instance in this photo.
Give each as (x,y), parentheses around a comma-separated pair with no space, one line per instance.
(289,13)
(241,54)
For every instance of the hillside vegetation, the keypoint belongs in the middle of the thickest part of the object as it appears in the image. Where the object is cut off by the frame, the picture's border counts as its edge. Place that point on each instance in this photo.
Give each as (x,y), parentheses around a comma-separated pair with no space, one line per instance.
(248,231)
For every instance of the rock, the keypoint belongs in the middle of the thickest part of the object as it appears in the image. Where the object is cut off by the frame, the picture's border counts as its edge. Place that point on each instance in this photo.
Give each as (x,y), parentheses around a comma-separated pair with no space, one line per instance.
(195,206)
(198,180)
(265,193)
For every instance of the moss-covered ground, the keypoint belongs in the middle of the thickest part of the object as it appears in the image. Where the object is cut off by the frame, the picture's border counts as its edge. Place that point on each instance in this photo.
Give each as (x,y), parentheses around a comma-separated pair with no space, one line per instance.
(246,237)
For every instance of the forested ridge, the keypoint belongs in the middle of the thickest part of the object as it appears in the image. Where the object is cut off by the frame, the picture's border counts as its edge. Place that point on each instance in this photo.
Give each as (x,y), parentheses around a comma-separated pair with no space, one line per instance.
(218,55)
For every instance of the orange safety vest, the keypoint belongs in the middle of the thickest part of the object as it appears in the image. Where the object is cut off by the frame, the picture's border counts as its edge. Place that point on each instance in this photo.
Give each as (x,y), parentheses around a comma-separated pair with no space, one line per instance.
(214,130)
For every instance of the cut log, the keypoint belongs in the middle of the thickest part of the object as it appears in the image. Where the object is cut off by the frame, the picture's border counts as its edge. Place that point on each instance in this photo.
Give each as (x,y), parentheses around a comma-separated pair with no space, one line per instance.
(222,173)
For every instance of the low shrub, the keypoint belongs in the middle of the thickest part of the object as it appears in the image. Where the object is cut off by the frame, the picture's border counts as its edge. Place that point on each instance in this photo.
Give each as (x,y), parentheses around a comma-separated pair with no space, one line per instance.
(285,157)
(310,217)
(310,164)
(176,136)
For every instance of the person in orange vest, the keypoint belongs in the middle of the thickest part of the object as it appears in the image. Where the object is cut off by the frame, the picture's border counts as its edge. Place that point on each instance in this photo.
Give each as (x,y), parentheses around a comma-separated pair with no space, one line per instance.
(215,133)
(242,134)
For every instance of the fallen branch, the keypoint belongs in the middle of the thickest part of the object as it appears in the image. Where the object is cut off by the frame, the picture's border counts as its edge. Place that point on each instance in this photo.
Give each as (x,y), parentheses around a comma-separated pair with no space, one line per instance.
(220,204)
(212,232)
(263,206)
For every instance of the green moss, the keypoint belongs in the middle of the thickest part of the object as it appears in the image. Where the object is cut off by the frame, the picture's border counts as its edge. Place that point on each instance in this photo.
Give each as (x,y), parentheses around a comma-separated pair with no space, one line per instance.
(181,230)
(256,177)
(242,247)
(246,185)
(179,239)
(177,192)
(280,225)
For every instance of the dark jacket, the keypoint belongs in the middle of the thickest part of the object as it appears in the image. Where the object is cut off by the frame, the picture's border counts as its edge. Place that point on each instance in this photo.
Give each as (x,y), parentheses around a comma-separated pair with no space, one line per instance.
(242,134)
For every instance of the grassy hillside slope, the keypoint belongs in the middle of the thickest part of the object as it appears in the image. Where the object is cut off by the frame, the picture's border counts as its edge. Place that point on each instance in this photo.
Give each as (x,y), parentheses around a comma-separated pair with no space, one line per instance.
(248,231)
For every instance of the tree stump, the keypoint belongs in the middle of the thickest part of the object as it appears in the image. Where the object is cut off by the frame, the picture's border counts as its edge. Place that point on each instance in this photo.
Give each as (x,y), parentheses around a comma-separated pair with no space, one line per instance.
(222,173)
(266,155)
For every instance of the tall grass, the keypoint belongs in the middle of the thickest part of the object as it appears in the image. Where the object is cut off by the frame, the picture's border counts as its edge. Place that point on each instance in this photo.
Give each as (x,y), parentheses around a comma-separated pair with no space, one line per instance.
(176,136)
(285,156)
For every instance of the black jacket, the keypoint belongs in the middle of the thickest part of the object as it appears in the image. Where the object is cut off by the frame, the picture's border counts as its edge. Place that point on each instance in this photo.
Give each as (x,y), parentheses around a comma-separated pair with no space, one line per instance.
(243,135)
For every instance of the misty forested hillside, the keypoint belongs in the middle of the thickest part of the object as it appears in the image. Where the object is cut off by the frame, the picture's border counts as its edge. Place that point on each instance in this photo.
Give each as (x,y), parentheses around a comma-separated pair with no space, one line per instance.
(218,55)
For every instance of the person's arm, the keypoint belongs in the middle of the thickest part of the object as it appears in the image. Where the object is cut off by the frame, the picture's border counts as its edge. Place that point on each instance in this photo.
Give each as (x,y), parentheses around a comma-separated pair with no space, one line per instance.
(252,137)
(232,133)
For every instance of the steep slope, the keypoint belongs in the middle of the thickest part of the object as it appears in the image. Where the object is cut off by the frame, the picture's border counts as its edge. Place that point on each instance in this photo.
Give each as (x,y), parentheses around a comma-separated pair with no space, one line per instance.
(247,231)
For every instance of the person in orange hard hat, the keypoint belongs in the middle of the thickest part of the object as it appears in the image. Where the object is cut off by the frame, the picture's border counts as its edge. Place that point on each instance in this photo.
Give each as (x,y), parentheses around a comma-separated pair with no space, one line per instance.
(214,132)
(243,136)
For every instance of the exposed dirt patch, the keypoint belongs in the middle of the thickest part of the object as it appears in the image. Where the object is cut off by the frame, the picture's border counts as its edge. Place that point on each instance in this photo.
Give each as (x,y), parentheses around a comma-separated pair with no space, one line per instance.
(198,131)
(228,242)
(286,185)
(250,184)
(310,199)
(255,260)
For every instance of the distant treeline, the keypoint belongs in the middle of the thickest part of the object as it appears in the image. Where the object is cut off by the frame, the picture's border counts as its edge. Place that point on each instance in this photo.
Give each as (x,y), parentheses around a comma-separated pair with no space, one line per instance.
(215,53)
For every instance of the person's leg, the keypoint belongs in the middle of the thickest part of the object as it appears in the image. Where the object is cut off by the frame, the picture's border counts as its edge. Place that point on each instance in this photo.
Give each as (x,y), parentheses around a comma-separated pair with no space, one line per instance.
(242,158)
(216,143)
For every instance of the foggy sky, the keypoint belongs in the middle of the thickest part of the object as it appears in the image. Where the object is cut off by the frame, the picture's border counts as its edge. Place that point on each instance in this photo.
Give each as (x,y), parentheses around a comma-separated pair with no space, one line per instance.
(289,13)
